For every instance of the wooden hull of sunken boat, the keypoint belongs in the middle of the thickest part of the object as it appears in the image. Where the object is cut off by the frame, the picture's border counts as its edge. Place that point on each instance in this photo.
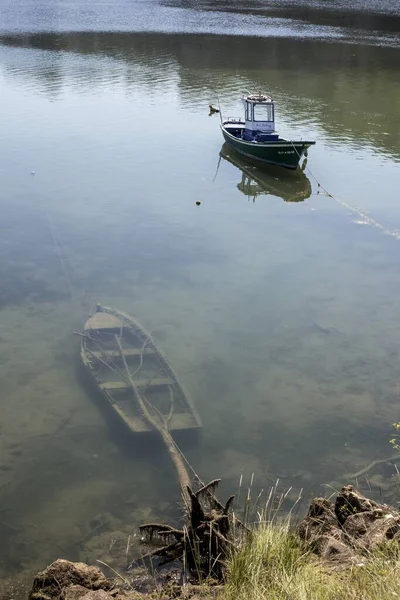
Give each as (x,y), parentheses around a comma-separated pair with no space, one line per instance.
(108,331)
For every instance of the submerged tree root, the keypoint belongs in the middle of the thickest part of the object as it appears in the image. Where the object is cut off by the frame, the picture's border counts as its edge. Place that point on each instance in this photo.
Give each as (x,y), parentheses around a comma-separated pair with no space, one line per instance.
(205,541)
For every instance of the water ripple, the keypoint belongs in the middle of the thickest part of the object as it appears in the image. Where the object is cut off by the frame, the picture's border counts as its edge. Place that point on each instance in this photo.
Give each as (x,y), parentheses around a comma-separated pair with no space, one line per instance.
(303,20)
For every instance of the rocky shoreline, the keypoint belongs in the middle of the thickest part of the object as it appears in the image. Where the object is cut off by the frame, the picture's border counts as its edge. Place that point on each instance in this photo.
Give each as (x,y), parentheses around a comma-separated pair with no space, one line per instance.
(342,533)
(65,580)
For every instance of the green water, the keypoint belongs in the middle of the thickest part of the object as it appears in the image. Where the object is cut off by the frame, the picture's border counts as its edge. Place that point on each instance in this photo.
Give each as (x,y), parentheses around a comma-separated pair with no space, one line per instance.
(280,316)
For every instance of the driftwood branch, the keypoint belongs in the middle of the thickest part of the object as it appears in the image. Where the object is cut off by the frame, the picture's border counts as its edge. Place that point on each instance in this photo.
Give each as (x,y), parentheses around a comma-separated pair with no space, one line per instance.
(160,552)
(206,539)
(154,529)
(228,504)
(207,487)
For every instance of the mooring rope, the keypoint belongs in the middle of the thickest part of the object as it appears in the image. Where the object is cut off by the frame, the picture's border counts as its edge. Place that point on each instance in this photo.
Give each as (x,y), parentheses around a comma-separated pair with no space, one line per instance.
(345,204)
(59,254)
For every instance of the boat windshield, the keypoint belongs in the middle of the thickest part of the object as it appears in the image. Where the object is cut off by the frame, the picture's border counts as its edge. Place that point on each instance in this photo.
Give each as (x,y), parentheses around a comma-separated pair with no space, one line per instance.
(263,112)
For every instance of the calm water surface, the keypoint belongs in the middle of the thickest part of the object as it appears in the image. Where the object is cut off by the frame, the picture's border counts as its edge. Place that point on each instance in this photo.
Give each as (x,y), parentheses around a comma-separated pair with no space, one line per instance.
(276,303)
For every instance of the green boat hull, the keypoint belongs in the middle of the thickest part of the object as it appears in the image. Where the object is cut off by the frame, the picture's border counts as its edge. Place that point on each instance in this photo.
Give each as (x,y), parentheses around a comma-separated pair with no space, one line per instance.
(284,153)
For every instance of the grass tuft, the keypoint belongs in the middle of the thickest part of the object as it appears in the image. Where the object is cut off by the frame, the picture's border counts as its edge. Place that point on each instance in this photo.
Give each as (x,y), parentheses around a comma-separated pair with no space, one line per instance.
(273,564)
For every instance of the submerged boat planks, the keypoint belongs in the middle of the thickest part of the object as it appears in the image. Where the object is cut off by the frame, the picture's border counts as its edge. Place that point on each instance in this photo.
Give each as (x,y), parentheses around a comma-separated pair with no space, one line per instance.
(131,372)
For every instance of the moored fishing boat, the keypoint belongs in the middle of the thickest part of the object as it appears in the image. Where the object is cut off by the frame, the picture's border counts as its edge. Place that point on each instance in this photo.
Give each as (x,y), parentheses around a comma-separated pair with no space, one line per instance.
(131,372)
(255,136)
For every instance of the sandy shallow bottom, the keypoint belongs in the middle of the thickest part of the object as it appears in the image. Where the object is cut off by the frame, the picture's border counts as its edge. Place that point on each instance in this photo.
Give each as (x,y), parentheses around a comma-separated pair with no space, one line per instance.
(73,485)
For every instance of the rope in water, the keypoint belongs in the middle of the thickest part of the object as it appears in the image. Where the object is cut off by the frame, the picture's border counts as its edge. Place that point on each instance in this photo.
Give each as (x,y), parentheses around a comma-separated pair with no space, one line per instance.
(386,231)
(57,247)
(365,218)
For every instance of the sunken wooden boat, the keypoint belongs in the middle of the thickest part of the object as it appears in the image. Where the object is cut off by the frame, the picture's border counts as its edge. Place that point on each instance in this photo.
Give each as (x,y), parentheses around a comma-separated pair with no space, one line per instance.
(256,138)
(130,371)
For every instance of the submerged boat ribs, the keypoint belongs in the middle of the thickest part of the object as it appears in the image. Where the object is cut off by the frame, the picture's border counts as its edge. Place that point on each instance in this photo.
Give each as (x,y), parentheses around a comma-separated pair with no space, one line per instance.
(118,351)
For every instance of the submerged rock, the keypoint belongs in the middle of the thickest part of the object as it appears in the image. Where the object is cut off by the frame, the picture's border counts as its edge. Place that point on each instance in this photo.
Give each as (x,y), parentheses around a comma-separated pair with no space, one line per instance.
(54,581)
(70,594)
(65,580)
(73,592)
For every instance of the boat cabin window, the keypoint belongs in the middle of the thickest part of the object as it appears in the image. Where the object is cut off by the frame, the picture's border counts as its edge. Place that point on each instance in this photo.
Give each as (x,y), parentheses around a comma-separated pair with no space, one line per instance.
(249,111)
(264,112)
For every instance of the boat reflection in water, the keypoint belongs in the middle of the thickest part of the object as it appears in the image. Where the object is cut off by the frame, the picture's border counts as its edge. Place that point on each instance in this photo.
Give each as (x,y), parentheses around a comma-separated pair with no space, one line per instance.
(291,186)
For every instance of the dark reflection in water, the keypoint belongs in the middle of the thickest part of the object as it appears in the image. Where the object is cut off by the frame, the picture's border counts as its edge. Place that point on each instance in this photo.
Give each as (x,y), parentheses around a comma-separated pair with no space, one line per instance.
(371,21)
(349,92)
(290,186)
(356,15)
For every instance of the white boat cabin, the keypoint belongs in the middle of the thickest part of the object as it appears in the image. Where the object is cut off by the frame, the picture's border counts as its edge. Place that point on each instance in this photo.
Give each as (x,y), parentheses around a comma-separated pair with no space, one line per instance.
(259,113)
